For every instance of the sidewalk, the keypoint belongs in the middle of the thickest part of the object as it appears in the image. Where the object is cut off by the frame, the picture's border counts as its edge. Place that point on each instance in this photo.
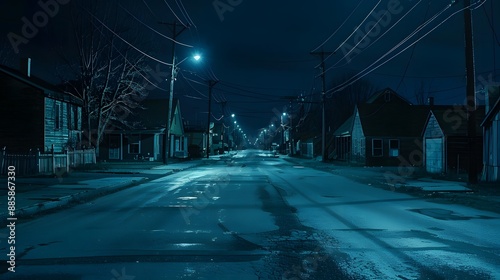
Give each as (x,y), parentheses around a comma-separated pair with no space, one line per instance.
(34,195)
(483,196)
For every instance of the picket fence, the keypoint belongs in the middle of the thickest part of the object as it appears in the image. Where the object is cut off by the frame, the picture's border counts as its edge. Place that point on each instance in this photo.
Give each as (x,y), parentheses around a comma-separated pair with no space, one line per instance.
(51,163)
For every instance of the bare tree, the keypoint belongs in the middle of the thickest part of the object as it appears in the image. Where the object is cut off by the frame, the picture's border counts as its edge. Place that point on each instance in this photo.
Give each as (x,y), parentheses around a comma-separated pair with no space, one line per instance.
(106,74)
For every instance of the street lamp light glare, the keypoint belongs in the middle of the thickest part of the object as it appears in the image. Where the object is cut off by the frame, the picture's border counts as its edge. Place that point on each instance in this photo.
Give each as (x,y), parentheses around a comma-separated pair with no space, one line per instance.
(232,115)
(197,57)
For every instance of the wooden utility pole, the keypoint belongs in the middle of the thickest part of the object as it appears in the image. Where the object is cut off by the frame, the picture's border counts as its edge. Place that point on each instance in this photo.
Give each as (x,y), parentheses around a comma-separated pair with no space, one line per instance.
(471,94)
(323,93)
(211,84)
(166,135)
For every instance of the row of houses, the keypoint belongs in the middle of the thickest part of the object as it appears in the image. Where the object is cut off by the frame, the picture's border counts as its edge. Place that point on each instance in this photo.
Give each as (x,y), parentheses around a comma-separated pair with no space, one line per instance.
(387,130)
(38,117)
(145,142)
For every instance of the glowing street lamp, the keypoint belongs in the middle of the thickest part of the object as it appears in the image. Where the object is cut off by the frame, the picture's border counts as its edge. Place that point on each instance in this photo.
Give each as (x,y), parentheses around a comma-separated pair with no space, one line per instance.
(166,141)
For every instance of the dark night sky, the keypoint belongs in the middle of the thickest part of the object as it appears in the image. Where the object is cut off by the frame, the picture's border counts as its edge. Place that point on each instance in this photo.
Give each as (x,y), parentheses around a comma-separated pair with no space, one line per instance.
(260,49)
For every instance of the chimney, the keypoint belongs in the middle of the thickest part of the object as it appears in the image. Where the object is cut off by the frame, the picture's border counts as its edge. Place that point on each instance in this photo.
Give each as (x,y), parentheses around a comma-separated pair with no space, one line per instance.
(430,101)
(492,95)
(26,66)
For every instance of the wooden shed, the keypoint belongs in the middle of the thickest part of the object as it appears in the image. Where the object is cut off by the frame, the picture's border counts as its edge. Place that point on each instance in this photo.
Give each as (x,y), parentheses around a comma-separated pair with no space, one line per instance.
(445,140)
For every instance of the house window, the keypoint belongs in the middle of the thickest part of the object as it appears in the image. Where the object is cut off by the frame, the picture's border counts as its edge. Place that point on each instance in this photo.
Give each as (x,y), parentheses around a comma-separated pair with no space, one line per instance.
(72,113)
(58,115)
(70,116)
(394,147)
(377,148)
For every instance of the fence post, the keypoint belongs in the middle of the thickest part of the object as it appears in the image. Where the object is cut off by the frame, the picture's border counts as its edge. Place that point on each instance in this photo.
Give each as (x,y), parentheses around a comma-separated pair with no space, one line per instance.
(37,161)
(53,161)
(67,161)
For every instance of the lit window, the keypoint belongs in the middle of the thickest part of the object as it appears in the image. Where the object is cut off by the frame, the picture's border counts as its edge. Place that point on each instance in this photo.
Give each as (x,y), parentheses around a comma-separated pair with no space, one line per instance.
(393,147)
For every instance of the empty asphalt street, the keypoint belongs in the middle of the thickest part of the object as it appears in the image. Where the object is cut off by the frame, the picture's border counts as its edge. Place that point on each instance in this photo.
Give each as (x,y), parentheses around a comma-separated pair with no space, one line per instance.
(253,215)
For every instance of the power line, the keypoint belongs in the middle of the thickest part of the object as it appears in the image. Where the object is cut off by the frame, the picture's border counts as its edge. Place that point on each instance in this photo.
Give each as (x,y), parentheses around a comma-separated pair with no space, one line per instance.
(338,28)
(411,56)
(354,78)
(376,40)
(185,13)
(154,30)
(355,30)
(175,14)
(125,41)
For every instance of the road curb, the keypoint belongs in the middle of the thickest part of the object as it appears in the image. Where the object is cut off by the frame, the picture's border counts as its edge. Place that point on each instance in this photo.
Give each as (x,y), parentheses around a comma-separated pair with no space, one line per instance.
(68,199)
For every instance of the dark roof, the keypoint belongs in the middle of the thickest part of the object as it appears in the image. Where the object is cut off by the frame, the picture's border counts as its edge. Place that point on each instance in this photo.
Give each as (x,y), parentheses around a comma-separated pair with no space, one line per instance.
(380,96)
(453,119)
(392,120)
(48,89)
(345,128)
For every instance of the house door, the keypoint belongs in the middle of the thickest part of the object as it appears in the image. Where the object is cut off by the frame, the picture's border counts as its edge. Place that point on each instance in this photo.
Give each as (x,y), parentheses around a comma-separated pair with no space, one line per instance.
(434,162)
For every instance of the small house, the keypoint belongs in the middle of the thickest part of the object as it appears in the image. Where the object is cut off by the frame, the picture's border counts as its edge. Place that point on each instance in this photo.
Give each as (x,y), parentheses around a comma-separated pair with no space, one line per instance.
(145,142)
(446,141)
(384,131)
(36,115)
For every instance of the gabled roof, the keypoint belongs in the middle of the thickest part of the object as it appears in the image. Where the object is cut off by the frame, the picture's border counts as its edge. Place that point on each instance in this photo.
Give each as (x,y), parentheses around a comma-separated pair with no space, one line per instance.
(387,95)
(453,119)
(48,89)
(392,120)
(345,128)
